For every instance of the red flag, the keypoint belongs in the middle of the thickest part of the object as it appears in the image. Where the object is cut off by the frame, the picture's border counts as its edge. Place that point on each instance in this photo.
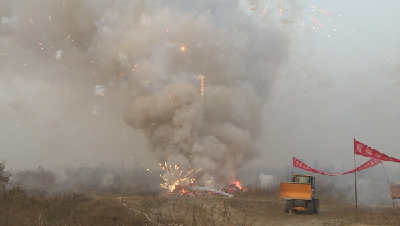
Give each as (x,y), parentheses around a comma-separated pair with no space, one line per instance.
(364,150)
(370,163)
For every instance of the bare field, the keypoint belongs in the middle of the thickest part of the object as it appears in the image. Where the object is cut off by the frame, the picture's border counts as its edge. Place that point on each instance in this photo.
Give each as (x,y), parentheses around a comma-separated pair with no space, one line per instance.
(255,208)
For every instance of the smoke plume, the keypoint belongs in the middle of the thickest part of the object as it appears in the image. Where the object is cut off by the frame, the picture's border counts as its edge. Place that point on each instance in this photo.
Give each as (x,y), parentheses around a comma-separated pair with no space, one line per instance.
(199,87)
(193,78)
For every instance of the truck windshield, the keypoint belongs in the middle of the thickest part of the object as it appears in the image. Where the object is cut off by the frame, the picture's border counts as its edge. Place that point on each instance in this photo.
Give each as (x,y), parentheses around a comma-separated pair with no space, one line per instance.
(300,179)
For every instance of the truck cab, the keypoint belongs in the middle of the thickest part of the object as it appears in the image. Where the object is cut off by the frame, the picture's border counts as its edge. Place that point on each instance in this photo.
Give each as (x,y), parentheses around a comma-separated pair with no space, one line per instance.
(306,179)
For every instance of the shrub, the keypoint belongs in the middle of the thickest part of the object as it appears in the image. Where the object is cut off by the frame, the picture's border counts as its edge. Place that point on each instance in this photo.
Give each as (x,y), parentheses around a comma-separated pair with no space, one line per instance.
(3,178)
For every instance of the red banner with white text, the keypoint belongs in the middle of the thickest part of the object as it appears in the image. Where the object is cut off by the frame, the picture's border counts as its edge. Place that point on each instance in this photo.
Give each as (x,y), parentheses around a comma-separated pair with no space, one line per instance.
(370,163)
(364,150)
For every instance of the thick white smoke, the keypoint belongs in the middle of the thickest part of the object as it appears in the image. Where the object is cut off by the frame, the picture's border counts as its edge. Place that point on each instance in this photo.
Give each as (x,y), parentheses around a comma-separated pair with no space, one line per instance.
(266,181)
(193,77)
(215,131)
(202,189)
(58,54)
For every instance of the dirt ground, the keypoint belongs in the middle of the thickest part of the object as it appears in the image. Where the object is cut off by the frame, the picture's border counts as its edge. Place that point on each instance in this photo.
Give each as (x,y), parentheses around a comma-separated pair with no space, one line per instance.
(251,209)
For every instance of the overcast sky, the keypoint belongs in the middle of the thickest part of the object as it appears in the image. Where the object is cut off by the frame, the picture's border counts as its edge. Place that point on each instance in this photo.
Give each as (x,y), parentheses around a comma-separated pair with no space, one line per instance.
(337,82)
(340,87)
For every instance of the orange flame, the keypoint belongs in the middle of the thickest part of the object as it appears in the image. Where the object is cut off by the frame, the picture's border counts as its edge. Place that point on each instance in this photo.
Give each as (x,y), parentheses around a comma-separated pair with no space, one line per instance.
(238,184)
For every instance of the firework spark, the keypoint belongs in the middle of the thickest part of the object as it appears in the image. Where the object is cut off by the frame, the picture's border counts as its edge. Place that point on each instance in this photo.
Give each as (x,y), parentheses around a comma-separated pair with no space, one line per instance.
(280,6)
(265,9)
(322,11)
(173,176)
(202,85)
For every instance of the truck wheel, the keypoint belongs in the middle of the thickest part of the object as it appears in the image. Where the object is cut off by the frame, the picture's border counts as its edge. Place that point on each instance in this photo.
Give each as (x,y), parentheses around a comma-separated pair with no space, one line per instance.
(316,206)
(310,208)
(288,206)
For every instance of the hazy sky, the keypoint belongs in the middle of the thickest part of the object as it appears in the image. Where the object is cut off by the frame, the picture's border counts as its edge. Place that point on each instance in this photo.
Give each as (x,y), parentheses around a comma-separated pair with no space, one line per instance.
(337,82)
(340,87)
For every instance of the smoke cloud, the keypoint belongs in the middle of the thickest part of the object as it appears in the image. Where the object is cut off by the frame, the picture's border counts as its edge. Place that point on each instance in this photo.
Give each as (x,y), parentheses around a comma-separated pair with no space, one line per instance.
(192,78)
(191,54)
(266,181)
(85,81)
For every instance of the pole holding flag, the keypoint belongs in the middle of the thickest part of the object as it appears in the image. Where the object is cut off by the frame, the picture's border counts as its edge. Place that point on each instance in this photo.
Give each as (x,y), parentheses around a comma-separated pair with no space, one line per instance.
(355,181)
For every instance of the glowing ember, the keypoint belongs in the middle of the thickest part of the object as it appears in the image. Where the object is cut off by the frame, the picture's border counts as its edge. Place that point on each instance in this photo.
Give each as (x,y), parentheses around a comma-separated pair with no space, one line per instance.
(183,48)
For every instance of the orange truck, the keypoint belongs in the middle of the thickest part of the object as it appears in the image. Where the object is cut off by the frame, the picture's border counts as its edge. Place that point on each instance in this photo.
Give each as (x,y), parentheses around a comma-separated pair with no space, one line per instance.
(299,194)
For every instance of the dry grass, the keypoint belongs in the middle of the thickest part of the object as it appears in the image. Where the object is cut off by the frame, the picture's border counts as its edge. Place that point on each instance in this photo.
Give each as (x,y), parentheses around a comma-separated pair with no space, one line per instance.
(17,208)
(264,208)
(255,207)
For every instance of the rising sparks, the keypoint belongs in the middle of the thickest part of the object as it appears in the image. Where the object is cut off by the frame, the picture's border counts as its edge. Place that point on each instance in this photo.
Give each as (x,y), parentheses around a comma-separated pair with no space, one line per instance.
(202,85)
(280,6)
(265,9)
(322,11)
(173,176)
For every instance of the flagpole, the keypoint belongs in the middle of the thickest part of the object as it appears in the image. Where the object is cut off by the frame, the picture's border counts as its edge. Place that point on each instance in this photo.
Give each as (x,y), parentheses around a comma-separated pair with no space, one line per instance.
(355,183)
(388,183)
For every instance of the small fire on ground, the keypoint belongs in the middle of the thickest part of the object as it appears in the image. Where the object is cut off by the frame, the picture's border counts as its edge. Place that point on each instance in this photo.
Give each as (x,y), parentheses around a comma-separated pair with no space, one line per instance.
(177,182)
(191,190)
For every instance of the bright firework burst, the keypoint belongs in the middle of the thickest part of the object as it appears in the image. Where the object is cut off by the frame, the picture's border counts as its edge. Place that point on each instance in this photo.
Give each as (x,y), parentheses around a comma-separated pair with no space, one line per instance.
(173,176)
